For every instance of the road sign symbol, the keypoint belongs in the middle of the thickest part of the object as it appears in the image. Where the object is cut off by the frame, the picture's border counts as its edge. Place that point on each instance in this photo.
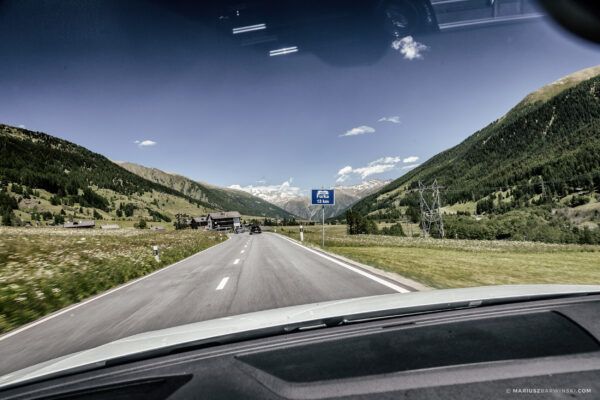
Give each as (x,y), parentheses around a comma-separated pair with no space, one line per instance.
(323,197)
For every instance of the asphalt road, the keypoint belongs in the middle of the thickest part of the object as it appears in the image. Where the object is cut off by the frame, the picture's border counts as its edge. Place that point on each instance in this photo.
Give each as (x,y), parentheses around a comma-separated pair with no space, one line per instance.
(244,274)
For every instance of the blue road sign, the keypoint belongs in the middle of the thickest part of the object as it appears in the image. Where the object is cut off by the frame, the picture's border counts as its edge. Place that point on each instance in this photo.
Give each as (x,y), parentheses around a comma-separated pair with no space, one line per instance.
(323,197)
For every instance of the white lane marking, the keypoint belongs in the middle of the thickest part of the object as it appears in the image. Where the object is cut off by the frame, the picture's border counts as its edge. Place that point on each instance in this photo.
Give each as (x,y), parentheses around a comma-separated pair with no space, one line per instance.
(351,268)
(222,283)
(237,260)
(242,252)
(77,305)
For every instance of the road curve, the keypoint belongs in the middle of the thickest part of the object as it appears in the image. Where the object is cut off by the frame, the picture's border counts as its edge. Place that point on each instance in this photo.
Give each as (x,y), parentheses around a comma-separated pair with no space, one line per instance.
(244,274)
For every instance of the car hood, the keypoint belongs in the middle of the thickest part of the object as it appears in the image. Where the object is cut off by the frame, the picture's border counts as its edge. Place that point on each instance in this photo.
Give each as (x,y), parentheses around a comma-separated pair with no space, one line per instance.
(282,320)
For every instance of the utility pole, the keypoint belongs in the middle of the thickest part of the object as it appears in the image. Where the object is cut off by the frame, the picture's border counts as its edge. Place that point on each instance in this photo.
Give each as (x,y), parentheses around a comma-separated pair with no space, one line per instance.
(431,214)
(543,189)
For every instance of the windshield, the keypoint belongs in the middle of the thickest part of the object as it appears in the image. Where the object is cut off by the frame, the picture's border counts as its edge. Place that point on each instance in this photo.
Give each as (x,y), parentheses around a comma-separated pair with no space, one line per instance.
(170,162)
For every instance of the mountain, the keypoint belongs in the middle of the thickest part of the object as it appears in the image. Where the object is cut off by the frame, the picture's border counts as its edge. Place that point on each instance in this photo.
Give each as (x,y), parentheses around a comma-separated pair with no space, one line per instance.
(548,144)
(217,197)
(345,197)
(46,178)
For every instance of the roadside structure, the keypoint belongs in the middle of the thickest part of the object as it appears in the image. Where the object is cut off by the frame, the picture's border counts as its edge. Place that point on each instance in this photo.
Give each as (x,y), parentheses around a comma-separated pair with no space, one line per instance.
(79,224)
(198,222)
(115,226)
(224,220)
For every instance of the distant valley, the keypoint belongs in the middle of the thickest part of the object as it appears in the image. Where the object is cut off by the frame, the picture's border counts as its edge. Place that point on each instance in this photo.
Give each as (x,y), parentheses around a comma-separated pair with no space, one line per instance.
(345,197)
(45,180)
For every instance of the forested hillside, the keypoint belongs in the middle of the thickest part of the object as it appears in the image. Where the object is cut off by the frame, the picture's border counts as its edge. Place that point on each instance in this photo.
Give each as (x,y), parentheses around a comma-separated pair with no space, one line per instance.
(217,197)
(41,161)
(50,180)
(544,154)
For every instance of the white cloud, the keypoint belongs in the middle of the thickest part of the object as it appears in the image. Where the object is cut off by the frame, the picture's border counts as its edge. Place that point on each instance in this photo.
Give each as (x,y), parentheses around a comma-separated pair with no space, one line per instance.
(360,130)
(271,193)
(22,126)
(410,48)
(373,169)
(410,159)
(386,160)
(377,166)
(343,174)
(410,166)
(393,119)
(346,170)
(145,143)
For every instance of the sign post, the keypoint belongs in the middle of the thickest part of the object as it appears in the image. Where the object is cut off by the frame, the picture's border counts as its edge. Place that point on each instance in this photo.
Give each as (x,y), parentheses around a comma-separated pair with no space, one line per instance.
(323,197)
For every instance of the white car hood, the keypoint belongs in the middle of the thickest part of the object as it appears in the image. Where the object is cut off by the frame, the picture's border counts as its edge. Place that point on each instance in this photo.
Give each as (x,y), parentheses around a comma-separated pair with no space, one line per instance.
(288,317)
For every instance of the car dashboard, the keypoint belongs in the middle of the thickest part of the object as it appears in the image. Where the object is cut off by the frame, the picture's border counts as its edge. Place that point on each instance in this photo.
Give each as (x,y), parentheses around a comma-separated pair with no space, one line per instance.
(512,349)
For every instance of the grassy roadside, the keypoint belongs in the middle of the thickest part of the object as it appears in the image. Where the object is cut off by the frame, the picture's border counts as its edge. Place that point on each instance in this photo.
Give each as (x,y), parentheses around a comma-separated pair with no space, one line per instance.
(43,270)
(462,263)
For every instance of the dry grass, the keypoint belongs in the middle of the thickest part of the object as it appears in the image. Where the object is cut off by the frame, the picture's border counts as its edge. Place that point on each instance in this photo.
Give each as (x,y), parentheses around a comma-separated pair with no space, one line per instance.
(462,263)
(45,269)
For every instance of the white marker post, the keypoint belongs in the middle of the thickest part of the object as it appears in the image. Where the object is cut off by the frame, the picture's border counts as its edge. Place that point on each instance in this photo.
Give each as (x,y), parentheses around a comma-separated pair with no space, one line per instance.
(301,234)
(155,251)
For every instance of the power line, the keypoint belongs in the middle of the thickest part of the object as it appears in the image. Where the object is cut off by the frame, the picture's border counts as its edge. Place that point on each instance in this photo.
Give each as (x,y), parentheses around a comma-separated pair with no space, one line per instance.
(499,188)
(431,214)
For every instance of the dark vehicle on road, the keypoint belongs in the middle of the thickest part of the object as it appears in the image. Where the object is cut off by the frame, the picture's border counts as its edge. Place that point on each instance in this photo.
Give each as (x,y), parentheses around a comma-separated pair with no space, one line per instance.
(255,229)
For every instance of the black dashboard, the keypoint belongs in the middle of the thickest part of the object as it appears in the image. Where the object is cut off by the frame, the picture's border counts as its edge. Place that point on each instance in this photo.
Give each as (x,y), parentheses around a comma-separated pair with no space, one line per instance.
(549,347)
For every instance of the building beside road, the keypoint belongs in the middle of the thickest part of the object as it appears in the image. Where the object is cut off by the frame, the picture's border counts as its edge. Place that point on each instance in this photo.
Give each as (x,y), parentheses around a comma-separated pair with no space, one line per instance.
(79,224)
(198,222)
(224,220)
(110,226)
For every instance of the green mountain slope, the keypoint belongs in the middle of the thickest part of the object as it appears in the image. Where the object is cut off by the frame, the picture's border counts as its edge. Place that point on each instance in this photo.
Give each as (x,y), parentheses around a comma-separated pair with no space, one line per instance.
(553,136)
(47,179)
(221,198)
(41,161)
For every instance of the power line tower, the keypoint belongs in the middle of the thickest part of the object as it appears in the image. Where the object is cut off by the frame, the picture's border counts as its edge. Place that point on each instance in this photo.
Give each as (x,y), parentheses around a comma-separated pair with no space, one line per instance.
(543,190)
(431,214)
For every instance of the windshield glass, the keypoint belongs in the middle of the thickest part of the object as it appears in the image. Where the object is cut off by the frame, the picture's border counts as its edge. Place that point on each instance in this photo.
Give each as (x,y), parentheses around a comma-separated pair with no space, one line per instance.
(170,162)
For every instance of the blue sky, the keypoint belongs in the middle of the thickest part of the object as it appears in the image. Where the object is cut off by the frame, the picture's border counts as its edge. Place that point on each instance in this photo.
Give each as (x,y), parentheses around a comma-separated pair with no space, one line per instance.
(160,89)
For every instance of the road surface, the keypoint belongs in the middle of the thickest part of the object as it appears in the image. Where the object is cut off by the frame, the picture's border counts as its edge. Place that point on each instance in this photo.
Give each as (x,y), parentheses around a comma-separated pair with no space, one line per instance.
(244,274)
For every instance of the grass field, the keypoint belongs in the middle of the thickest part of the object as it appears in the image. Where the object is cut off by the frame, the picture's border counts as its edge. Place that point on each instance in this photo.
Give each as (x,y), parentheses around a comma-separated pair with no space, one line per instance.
(462,263)
(45,269)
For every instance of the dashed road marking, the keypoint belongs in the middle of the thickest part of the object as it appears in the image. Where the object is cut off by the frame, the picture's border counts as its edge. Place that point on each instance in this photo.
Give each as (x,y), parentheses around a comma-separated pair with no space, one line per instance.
(222,283)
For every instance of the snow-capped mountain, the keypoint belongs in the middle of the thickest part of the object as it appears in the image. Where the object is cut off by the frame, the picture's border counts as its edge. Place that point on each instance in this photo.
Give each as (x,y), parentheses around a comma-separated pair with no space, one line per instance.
(290,198)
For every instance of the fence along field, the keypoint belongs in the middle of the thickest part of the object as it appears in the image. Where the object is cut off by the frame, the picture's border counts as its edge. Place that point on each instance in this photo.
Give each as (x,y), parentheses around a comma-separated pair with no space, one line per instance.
(448,263)
(43,270)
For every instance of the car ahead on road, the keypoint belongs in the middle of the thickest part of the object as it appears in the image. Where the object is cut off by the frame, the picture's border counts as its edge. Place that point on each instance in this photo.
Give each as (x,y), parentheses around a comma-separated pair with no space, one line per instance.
(456,343)
(255,229)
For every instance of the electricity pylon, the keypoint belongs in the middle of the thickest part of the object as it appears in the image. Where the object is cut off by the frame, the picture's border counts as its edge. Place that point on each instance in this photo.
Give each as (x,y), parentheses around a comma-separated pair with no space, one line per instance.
(431,214)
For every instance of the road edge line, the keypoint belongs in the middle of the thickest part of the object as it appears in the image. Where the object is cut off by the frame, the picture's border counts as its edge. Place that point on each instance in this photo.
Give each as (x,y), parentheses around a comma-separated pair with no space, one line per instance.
(400,288)
(98,296)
